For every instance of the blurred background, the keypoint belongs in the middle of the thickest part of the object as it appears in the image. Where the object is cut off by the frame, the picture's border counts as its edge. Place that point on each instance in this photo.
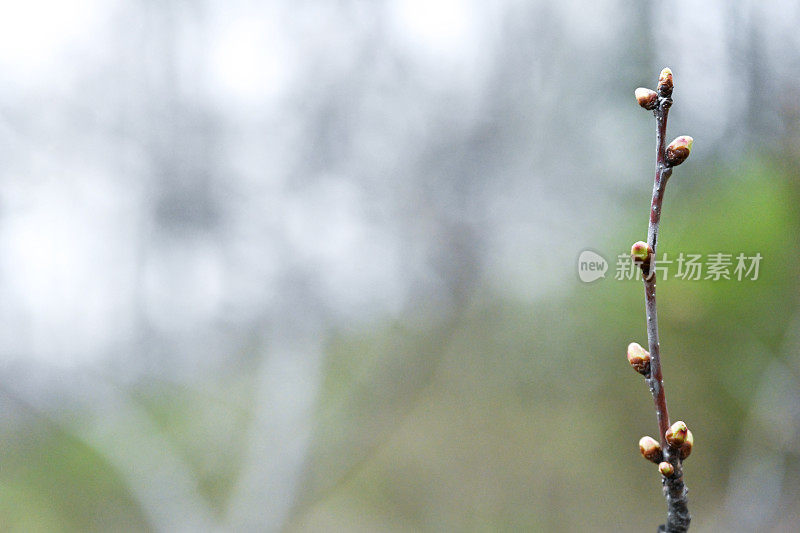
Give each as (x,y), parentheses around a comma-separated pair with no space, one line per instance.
(312,265)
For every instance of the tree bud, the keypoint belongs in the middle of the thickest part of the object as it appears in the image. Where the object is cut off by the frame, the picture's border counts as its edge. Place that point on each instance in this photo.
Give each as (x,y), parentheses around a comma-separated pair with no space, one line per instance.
(640,251)
(678,150)
(676,434)
(666,469)
(650,449)
(665,83)
(639,358)
(686,448)
(647,98)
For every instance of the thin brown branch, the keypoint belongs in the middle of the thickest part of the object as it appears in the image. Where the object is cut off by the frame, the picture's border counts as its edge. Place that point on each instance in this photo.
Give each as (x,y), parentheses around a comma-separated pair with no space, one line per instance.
(675,490)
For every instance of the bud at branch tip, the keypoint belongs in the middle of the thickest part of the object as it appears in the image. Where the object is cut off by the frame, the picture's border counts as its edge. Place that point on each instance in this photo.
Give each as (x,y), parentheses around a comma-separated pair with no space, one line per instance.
(665,83)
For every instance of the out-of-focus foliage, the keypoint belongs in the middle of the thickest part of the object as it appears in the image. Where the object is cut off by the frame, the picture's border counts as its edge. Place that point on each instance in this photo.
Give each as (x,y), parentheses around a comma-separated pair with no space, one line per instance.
(526,411)
(310,266)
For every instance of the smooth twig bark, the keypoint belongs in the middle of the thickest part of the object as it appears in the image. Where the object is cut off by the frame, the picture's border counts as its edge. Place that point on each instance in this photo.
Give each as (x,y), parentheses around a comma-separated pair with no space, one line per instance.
(655,380)
(675,490)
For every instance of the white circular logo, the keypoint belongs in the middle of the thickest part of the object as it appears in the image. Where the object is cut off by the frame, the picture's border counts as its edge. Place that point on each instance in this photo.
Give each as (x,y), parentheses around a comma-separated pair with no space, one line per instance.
(591,266)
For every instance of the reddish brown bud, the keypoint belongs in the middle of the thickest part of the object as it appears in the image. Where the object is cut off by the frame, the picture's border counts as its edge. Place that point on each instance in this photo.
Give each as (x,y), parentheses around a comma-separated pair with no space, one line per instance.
(647,98)
(676,434)
(665,83)
(666,469)
(678,150)
(639,358)
(650,449)
(686,448)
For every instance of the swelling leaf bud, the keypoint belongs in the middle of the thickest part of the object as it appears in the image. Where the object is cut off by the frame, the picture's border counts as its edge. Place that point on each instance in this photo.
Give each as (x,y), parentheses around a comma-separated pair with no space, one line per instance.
(676,434)
(686,448)
(678,150)
(647,98)
(639,359)
(640,252)
(665,83)
(650,449)
(666,469)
